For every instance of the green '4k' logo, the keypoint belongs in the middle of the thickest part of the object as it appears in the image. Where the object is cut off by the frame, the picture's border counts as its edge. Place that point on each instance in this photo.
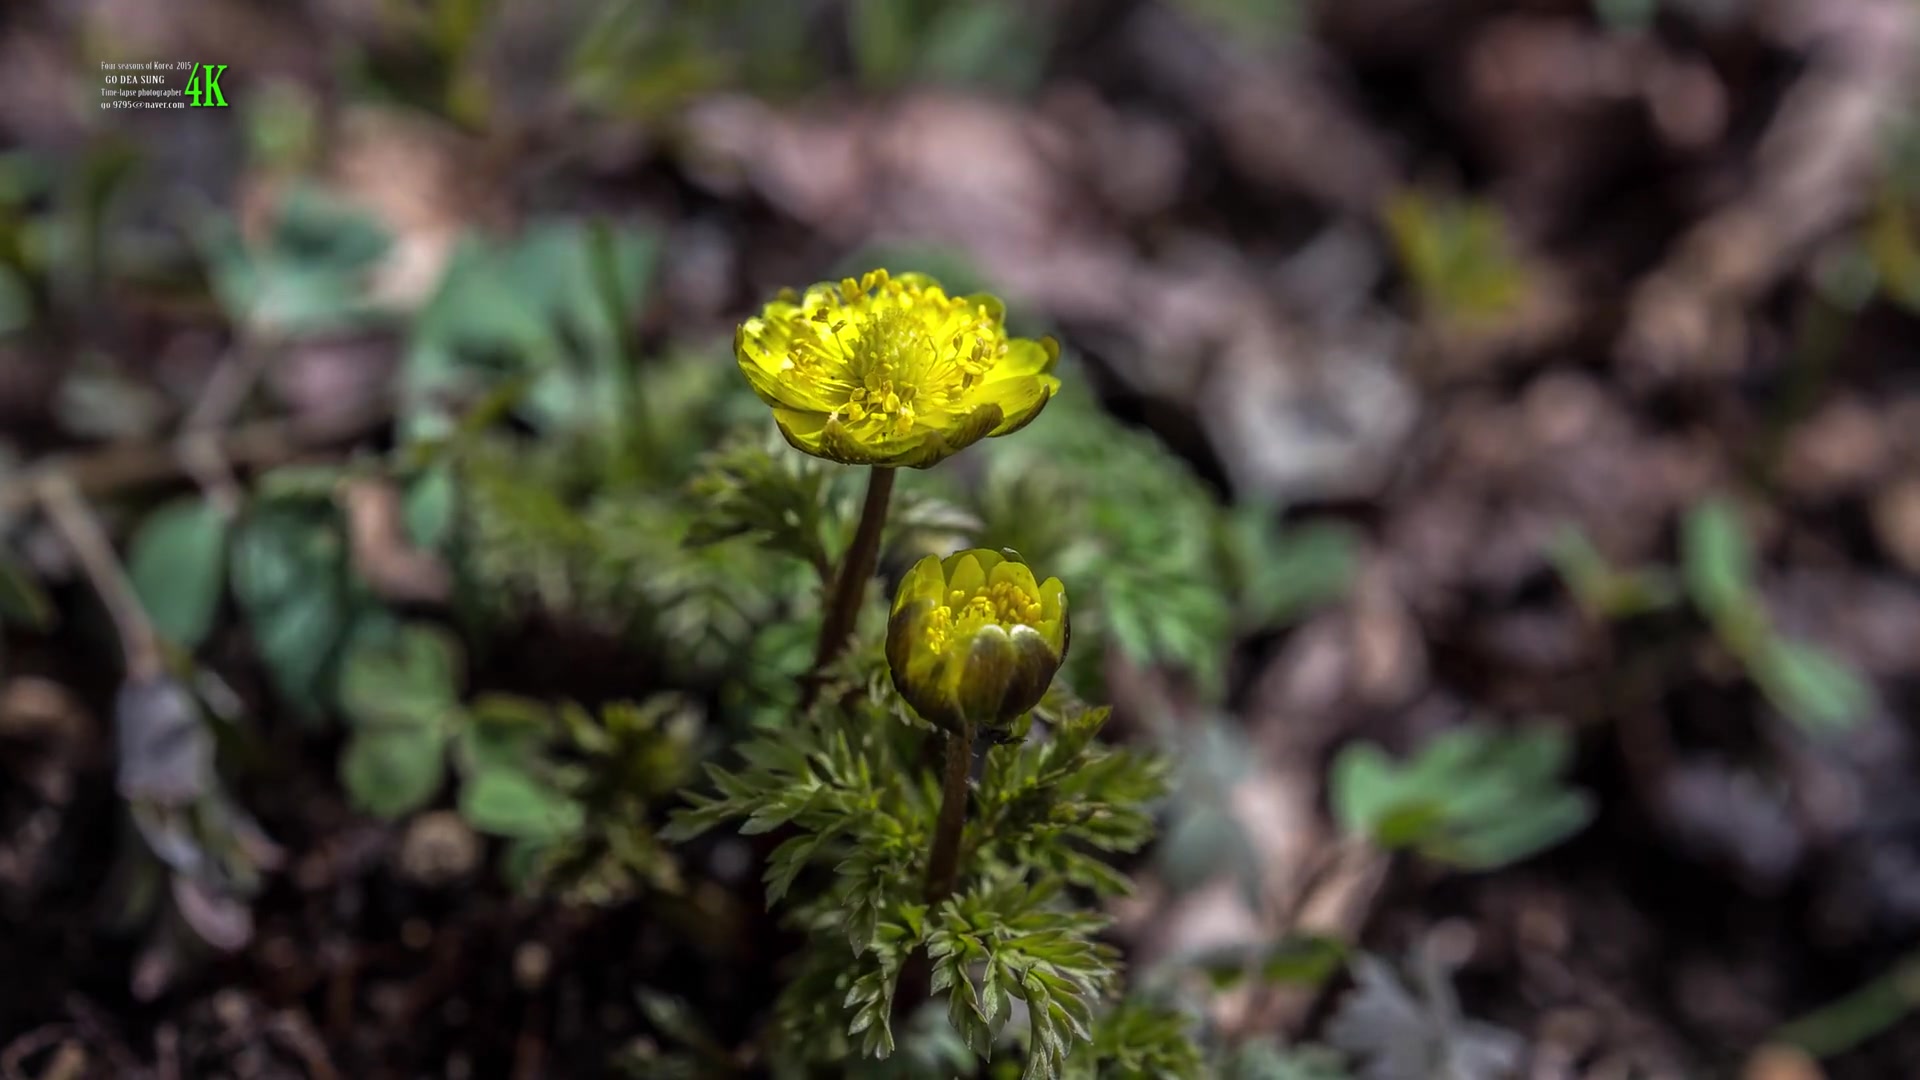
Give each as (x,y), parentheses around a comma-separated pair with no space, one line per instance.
(203,87)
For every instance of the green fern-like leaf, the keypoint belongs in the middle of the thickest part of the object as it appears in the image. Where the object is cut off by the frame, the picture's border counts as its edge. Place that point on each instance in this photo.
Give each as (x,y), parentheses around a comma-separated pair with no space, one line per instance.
(1052,803)
(1008,940)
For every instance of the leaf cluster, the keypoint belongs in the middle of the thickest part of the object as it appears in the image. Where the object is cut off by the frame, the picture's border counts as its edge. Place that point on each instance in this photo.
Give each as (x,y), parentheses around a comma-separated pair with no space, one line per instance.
(1161,567)
(857,794)
(1473,797)
(1808,684)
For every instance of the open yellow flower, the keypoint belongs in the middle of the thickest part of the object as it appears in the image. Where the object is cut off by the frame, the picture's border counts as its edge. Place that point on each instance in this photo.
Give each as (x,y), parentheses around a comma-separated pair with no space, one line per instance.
(892,371)
(975,640)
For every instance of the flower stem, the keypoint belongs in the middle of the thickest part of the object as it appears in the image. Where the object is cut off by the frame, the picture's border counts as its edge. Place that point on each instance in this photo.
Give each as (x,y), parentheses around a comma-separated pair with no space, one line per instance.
(943,866)
(850,587)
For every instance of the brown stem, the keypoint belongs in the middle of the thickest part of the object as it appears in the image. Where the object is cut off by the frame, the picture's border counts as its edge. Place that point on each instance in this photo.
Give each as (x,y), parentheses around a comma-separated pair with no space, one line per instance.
(943,866)
(850,587)
(77,525)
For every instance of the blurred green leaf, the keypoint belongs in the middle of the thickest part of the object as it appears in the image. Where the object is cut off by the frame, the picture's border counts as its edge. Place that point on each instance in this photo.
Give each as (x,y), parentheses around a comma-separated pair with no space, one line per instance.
(504,732)
(1458,254)
(1262,22)
(1861,1014)
(1717,560)
(22,600)
(1604,590)
(1265,1059)
(391,770)
(1362,787)
(398,687)
(308,275)
(430,507)
(1473,797)
(881,32)
(510,802)
(1627,14)
(1304,959)
(1811,686)
(398,673)
(16,302)
(1279,573)
(986,44)
(288,568)
(176,561)
(552,304)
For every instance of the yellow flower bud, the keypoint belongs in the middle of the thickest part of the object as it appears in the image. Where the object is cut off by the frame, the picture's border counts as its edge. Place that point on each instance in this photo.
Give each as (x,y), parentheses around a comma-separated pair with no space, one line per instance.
(975,640)
(892,371)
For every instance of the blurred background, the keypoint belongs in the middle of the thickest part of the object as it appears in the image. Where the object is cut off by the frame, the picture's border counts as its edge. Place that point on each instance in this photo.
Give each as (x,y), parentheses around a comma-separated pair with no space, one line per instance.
(1489,452)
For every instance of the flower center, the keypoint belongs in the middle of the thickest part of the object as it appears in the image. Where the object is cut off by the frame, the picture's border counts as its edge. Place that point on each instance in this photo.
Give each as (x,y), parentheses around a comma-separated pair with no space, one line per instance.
(894,352)
(1002,604)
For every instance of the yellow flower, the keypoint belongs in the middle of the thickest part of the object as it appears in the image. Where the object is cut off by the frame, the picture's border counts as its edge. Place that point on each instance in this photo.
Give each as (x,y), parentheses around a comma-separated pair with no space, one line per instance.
(892,371)
(975,640)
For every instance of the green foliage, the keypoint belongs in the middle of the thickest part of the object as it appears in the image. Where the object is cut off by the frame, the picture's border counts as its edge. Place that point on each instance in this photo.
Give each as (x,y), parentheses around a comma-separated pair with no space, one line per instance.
(1172,587)
(1629,15)
(399,688)
(1139,1040)
(613,558)
(992,44)
(857,794)
(177,563)
(1890,255)
(1005,941)
(1457,254)
(1606,591)
(22,601)
(1809,685)
(1868,1010)
(1262,22)
(550,306)
(765,491)
(1050,804)
(1267,1060)
(288,567)
(577,792)
(309,273)
(851,794)
(1474,797)
(646,57)
(572,791)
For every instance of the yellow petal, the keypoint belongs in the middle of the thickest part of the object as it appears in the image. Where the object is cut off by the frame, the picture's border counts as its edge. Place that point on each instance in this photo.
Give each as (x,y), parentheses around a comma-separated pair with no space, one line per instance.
(1025,357)
(996,308)
(1019,400)
(805,431)
(1053,614)
(964,572)
(1017,573)
(925,581)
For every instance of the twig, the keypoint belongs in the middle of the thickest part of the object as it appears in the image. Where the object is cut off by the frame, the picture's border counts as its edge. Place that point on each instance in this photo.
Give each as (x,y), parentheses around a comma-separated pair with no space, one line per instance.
(76,523)
(199,443)
(124,465)
(16,1053)
(166,1053)
(295,1029)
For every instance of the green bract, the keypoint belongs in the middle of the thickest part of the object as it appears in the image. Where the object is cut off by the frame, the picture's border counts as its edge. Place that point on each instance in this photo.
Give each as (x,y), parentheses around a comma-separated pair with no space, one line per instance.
(975,640)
